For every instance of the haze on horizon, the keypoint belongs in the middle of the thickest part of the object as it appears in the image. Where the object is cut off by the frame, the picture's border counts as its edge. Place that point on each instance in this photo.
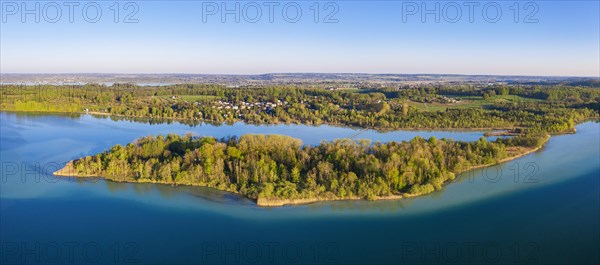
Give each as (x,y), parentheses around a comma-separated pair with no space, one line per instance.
(378,38)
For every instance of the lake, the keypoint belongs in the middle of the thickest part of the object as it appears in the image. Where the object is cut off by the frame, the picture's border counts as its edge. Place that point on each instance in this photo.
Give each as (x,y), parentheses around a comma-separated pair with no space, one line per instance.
(541,208)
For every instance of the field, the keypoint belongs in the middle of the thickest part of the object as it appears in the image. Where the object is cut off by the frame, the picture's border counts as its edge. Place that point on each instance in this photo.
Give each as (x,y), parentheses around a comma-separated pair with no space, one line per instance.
(191,98)
(470,102)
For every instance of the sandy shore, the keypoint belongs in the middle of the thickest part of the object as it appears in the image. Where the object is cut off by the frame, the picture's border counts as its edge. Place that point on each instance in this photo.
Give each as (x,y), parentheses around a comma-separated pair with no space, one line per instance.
(69,171)
(266,202)
(519,153)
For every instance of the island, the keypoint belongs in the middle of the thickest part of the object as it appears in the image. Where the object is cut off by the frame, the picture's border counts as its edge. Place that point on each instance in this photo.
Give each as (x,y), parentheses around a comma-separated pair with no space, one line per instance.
(276,170)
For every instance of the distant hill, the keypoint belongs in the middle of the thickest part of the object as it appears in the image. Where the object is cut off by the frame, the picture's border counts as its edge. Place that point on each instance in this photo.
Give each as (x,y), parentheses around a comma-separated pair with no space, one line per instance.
(286,78)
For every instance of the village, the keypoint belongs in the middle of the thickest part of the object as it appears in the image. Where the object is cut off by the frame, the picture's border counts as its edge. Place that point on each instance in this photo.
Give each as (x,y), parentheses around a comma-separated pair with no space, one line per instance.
(266,106)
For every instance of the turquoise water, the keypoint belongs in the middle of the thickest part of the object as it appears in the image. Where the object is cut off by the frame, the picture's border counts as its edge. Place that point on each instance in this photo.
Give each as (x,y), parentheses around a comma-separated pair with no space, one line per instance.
(541,208)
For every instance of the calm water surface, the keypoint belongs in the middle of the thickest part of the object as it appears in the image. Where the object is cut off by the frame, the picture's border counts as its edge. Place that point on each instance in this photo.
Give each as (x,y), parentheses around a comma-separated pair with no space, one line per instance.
(541,208)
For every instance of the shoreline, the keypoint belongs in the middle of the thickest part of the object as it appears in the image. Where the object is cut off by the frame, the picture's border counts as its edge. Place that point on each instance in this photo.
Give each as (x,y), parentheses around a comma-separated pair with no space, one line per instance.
(510,158)
(340,125)
(265,202)
(69,171)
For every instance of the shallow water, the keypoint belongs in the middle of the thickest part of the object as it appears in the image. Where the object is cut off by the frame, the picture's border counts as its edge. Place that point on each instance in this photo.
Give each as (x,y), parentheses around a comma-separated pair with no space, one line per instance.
(541,208)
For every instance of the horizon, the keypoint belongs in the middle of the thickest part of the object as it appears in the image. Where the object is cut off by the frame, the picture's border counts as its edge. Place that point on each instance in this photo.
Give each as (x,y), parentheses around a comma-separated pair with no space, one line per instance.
(304,73)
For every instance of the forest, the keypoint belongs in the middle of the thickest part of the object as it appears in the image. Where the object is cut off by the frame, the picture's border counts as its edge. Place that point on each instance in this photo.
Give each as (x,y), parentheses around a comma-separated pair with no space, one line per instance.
(275,167)
(526,108)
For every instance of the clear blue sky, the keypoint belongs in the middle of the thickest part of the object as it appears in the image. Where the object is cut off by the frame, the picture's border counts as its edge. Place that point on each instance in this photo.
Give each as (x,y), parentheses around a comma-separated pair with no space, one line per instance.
(561,38)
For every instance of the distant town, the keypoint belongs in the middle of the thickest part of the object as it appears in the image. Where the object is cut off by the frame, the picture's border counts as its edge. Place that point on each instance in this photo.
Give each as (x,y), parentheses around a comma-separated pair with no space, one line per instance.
(331,81)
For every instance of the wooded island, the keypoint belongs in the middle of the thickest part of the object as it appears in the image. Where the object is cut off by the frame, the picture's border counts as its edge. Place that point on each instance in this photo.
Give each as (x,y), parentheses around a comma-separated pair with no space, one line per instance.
(276,170)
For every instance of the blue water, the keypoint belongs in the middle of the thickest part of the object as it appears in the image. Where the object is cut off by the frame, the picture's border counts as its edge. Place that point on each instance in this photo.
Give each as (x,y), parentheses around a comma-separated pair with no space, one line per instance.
(541,208)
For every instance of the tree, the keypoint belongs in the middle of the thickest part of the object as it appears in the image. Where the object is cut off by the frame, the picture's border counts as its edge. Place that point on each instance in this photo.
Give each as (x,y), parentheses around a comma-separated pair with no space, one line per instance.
(405,109)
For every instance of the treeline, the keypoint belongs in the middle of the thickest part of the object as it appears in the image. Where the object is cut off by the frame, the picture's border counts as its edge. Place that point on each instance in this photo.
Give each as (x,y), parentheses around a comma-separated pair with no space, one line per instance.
(279,167)
(551,93)
(560,109)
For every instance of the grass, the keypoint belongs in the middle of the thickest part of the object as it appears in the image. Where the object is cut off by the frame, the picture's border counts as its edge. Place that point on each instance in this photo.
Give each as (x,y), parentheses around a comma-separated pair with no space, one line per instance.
(514,98)
(470,102)
(192,98)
